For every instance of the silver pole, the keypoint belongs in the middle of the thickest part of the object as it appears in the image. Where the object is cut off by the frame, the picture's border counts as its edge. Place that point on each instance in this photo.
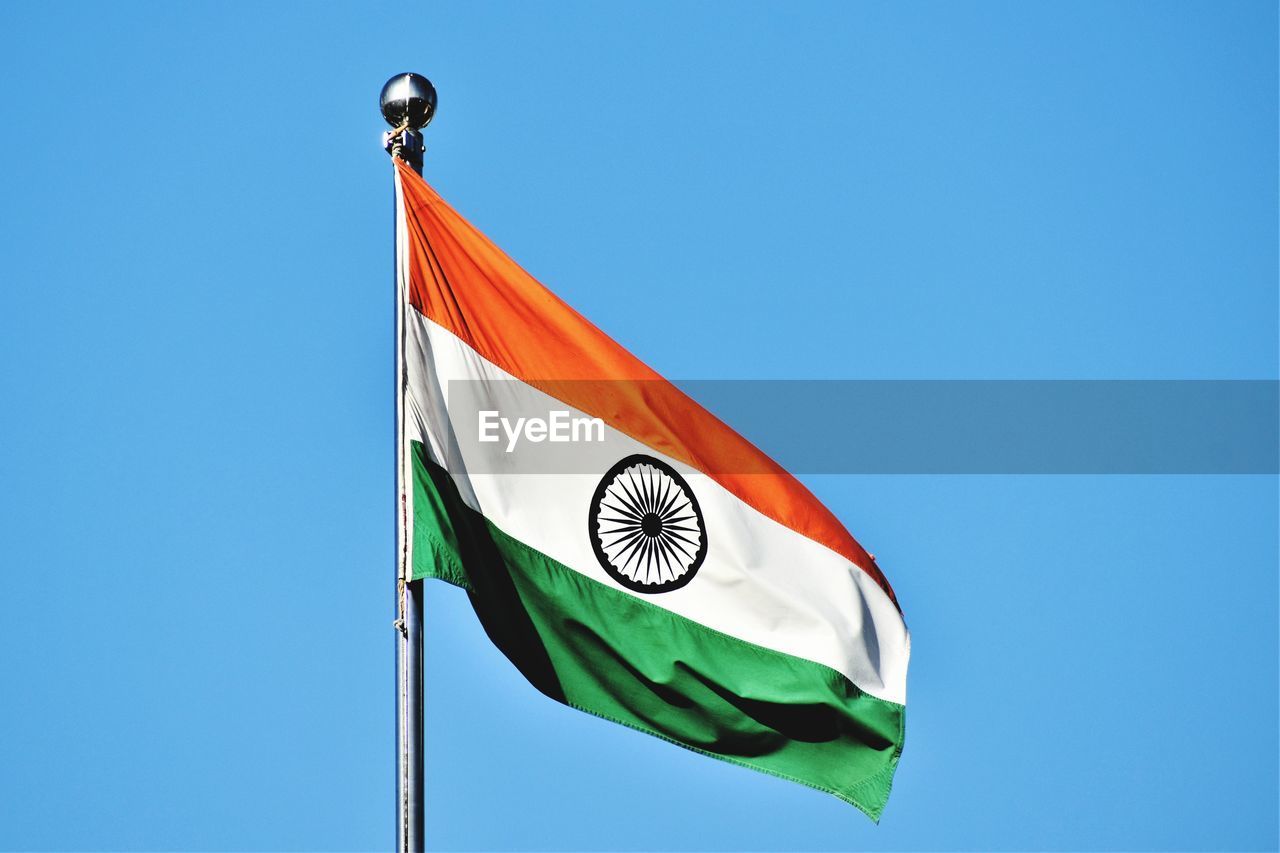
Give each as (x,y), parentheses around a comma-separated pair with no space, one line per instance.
(408,103)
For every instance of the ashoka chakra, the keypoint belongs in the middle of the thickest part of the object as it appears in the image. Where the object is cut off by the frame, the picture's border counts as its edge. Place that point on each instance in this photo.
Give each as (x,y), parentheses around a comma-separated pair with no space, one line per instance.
(646,526)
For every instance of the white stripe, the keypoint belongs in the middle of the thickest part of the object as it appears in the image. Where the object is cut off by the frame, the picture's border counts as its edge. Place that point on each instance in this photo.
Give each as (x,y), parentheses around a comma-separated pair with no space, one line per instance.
(761,581)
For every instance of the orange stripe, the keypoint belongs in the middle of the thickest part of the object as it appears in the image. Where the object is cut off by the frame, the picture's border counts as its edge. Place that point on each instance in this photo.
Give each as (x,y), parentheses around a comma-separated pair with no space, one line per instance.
(463,282)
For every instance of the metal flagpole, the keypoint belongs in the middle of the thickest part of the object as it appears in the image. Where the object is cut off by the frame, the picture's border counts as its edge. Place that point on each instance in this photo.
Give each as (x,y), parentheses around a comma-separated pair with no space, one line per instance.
(408,103)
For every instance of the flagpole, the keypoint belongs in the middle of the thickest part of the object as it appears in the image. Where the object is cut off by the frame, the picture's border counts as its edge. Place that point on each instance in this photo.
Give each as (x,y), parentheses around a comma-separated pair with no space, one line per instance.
(408,102)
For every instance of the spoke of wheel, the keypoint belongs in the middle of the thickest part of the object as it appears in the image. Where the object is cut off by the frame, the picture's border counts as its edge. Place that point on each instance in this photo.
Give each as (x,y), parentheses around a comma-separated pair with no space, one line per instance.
(651,486)
(633,548)
(635,475)
(660,554)
(678,506)
(617,536)
(681,538)
(646,488)
(629,486)
(626,522)
(660,492)
(624,539)
(627,499)
(621,528)
(625,513)
(675,543)
(635,504)
(644,559)
(674,494)
(668,556)
(628,507)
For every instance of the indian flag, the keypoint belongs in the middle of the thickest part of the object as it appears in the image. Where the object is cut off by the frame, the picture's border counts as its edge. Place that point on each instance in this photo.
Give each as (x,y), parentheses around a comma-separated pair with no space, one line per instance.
(661,572)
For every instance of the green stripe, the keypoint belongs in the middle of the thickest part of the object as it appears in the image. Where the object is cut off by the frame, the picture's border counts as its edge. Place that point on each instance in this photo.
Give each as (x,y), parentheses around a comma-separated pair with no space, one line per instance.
(609,653)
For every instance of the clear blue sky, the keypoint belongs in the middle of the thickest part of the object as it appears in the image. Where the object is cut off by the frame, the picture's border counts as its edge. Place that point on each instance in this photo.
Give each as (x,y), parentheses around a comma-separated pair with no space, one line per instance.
(195,448)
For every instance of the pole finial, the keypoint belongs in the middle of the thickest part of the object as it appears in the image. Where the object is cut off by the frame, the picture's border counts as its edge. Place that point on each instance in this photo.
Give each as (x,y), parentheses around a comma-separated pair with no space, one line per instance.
(408,103)
(408,99)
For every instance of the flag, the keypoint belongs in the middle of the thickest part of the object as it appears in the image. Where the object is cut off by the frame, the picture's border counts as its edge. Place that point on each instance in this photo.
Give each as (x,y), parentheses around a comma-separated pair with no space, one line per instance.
(659,571)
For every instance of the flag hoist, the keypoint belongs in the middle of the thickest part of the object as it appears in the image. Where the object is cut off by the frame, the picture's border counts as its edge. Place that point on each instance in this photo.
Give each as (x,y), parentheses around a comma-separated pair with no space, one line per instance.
(629,553)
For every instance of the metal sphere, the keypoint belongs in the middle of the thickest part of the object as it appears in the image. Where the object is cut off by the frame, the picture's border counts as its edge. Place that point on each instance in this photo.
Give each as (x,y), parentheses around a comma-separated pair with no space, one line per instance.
(408,96)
